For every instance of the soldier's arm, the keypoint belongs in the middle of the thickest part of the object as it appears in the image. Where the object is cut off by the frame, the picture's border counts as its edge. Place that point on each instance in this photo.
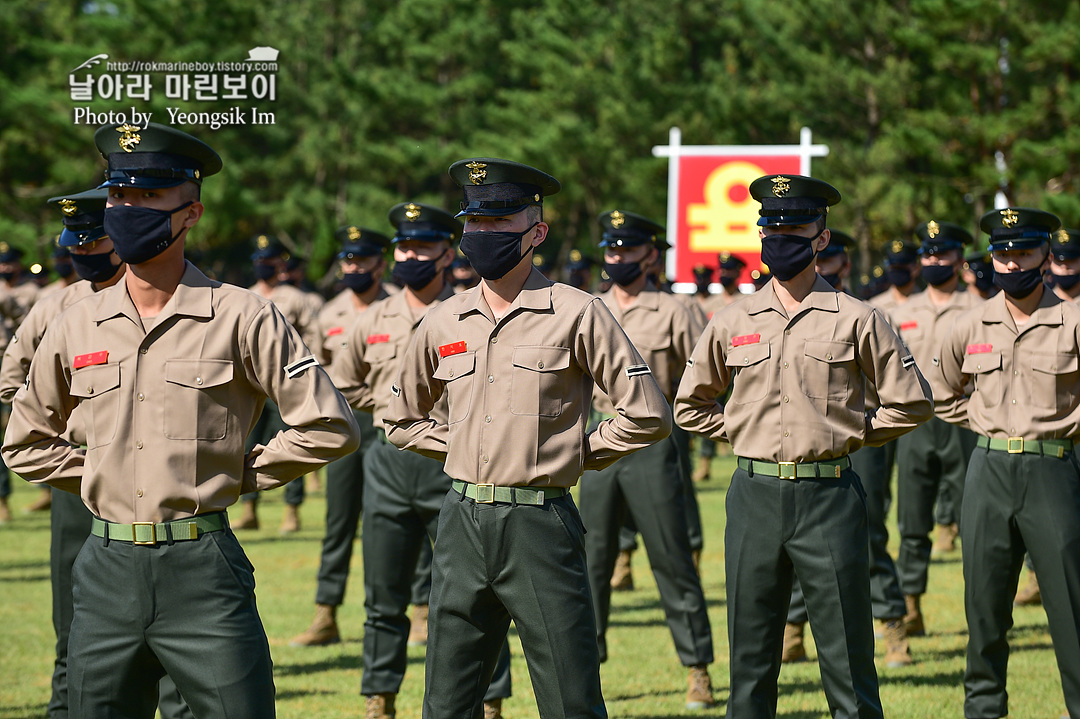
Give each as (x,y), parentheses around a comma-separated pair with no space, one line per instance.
(705,379)
(349,370)
(17,356)
(415,391)
(949,364)
(903,393)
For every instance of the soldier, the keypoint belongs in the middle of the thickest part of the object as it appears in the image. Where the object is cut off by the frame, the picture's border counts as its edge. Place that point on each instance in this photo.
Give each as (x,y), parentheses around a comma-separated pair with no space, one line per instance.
(649,489)
(1064,275)
(935,454)
(65,271)
(403,491)
(902,272)
(170,370)
(463,274)
(731,267)
(978,275)
(1009,372)
(579,271)
(517,357)
(797,358)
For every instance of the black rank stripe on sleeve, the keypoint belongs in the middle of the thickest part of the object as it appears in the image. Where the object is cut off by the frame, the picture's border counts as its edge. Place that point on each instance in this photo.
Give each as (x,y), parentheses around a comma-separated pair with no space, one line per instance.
(638,369)
(297,367)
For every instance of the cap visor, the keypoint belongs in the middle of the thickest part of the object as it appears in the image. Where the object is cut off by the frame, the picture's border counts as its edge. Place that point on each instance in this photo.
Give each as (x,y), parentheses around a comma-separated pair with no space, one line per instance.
(74,239)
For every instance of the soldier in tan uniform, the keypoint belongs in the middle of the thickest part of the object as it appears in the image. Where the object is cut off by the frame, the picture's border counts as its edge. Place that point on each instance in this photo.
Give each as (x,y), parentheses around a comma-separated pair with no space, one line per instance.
(517,358)
(1010,372)
(978,275)
(169,370)
(650,488)
(902,272)
(797,357)
(730,268)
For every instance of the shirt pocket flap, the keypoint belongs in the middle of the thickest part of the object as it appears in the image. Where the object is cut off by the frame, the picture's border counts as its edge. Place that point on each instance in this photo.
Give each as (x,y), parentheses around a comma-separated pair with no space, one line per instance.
(653,344)
(380,352)
(747,355)
(93,381)
(982,362)
(830,350)
(455,366)
(198,373)
(542,359)
(1054,363)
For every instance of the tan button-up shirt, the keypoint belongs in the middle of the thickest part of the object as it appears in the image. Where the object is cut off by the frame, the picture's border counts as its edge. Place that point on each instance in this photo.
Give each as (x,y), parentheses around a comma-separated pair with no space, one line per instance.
(335,319)
(719,301)
(366,368)
(168,411)
(1027,382)
(798,385)
(922,326)
(519,388)
(295,306)
(664,331)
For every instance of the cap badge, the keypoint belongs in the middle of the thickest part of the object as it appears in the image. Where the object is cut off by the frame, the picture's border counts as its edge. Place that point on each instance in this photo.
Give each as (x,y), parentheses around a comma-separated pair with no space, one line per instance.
(897,247)
(575,255)
(262,242)
(932,229)
(477,173)
(354,233)
(129,137)
(725,256)
(412,210)
(68,207)
(196,174)
(1009,217)
(1062,237)
(618,219)
(781,186)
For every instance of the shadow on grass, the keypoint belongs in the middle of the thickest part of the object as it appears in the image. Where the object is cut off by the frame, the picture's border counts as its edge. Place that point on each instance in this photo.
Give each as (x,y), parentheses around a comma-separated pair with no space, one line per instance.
(28,578)
(36,564)
(297,693)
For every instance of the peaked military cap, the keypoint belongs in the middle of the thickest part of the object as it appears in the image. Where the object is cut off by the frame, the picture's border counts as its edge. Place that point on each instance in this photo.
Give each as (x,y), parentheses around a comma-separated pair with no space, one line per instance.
(627,229)
(1065,244)
(497,188)
(900,252)
(703,272)
(729,261)
(267,247)
(424,223)
(792,199)
(9,253)
(360,242)
(839,244)
(83,216)
(1018,228)
(941,236)
(154,157)
(579,262)
(982,267)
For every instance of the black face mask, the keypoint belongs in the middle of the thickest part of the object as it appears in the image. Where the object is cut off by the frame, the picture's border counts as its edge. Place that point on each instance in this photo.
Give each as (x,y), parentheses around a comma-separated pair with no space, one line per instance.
(728,282)
(64,269)
(96,268)
(415,274)
(788,255)
(833,278)
(1019,284)
(7,276)
(938,274)
(265,272)
(494,254)
(358,282)
(898,276)
(140,233)
(1065,282)
(702,287)
(623,273)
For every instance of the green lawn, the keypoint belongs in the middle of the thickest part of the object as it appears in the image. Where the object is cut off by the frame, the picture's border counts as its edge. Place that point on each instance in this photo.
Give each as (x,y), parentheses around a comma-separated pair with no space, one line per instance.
(641,679)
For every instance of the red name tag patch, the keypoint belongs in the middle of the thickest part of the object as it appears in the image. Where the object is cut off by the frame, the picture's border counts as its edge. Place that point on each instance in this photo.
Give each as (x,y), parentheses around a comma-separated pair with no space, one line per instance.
(377,339)
(93,358)
(908,325)
(455,348)
(745,340)
(334,331)
(979,349)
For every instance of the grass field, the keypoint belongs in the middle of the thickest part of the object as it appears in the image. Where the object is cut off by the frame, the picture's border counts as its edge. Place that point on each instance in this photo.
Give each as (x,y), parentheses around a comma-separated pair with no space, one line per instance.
(641,679)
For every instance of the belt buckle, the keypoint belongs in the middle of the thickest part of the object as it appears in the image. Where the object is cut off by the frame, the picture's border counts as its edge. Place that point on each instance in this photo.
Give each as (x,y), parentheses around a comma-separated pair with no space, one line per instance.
(786,470)
(485,494)
(134,534)
(1014,445)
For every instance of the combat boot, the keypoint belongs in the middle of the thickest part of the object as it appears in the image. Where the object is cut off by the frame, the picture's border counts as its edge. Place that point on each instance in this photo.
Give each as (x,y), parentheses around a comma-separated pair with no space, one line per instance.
(699,688)
(913,620)
(43,503)
(418,626)
(379,706)
(621,578)
(794,649)
(323,629)
(695,555)
(249,519)
(493,709)
(1029,595)
(945,541)
(290,521)
(703,470)
(897,651)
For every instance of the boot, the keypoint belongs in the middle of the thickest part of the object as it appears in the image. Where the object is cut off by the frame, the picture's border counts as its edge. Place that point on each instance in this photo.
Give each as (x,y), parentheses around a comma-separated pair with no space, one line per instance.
(312,482)
(5,511)
(701,472)
(621,578)
(379,706)
(945,541)
(418,626)
(290,521)
(1029,595)
(249,519)
(323,629)
(794,649)
(493,709)
(913,620)
(43,503)
(699,688)
(897,651)
(695,554)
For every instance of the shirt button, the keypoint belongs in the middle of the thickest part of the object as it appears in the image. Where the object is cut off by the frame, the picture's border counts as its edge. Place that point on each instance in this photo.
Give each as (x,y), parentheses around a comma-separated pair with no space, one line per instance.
(198,380)
(785,365)
(785,433)
(488,419)
(787,332)
(138,445)
(89,389)
(828,357)
(452,374)
(1014,401)
(540,365)
(138,492)
(494,340)
(978,366)
(1016,372)
(785,399)
(141,398)
(746,360)
(491,378)
(142,351)
(485,459)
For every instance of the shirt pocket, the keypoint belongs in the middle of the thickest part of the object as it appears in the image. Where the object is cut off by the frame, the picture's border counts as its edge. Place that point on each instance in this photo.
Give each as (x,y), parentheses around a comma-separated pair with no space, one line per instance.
(197,394)
(457,372)
(985,368)
(828,368)
(379,353)
(1054,380)
(539,384)
(751,374)
(98,390)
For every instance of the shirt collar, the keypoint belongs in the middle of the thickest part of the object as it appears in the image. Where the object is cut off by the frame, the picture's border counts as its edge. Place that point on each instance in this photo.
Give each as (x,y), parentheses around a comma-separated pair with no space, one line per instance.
(193,297)
(1048,311)
(823,296)
(535,295)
